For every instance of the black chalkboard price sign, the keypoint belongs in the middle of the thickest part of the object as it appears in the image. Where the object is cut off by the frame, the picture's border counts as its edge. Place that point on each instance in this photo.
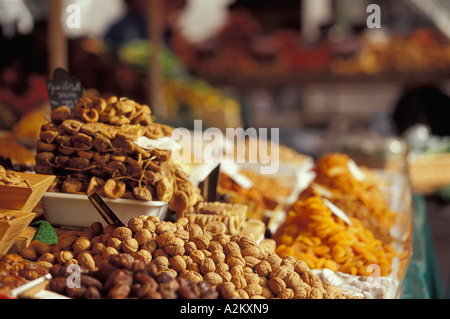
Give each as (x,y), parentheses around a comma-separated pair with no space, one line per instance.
(63,89)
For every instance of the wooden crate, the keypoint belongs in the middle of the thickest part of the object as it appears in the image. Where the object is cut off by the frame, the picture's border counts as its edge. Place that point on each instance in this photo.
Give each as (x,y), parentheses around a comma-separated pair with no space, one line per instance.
(25,198)
(429,172)
(11,230)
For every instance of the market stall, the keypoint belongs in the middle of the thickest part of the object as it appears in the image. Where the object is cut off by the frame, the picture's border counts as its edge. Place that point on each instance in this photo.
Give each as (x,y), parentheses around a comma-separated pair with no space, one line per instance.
(96,184)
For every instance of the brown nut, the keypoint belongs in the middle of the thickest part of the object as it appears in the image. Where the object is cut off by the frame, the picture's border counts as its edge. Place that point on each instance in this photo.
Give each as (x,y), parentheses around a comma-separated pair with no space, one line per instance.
(165,238)
(122,233)
(202,242)
(98,248)
(64,256)
(207,265)
(197,256)
(287,293)
(232,248)
(218,256)
(81,244)
(192,275)
(109,251)
(114,243)
(277,285)
(253,289)
(263,268)
(293,280)
(315,293)
(143,236)
(213,278)
(178,263)
(135,224)
(173,249)
(151,246)
(130,245)
(86,261)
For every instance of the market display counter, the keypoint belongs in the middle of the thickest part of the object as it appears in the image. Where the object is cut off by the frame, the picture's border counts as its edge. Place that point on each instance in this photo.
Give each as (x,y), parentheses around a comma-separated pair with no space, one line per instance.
(422,279)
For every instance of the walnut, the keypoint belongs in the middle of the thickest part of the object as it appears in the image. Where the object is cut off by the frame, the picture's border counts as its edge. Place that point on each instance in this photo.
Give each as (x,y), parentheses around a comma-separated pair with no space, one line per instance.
(218,256)
(197,256)
(194,267)
(174,249)
(253,251)
(300,266)
(164,238)
(221,238)
(251,278)
(148,224)
(234,260)
(287,293)
(192,275)
(263,268)
(315,293)
(293,280)
(276,284)
(114,242)
(109,251)
(162,262)
(245,242)
(135,224)
(98,248)
(202,242)
(160,252)
(64,256)
(207,265)
(178,263)
(253,289)
(281,271)
(266,292)
(47,257)
(251,261)
(150,246)
(239,282)
(105,238)
(237,271)
(130,245)
(182,234)
(81,244)
(189,247)
(122,233)
(242,294)
(232,248)
(143,236)
(143,254)
(215,246)
(213,278)
(194,231)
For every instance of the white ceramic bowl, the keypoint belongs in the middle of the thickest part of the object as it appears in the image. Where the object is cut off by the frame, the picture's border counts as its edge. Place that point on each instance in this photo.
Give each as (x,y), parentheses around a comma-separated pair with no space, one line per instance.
(61,209)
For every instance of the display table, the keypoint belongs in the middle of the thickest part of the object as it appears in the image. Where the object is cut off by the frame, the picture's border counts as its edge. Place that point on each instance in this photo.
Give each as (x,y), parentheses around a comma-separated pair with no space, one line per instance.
(422,279)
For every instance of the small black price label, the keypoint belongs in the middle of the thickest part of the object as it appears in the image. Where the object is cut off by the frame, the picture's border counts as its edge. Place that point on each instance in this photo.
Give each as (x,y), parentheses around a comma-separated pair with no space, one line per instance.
(103,209)
(63,89)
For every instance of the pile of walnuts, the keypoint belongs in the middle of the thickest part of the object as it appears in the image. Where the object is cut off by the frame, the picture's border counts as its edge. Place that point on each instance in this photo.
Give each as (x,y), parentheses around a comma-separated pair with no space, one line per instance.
(235,265)
(124,276)
(93,149)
